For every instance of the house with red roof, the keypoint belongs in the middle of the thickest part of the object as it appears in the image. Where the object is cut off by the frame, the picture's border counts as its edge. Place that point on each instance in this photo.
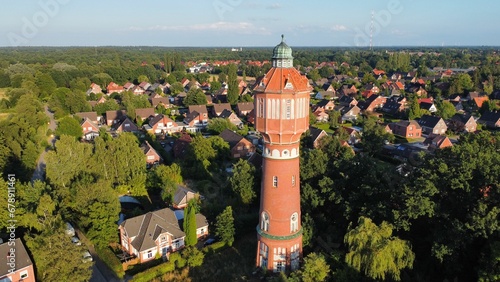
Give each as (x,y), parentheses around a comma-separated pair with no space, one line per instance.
(114,88)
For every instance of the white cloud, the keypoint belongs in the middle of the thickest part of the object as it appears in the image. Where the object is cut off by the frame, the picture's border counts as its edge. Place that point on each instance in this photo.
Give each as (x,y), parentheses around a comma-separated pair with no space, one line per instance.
(274,6)
(339,27)
(239,27)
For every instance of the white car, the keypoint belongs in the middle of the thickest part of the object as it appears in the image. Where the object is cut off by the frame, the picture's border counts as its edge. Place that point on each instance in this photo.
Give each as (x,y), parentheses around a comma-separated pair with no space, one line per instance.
(76,241)
(70,231)
(87,257)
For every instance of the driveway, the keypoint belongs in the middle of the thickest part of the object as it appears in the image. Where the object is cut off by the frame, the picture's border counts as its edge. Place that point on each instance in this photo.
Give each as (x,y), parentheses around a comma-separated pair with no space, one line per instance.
(39,173)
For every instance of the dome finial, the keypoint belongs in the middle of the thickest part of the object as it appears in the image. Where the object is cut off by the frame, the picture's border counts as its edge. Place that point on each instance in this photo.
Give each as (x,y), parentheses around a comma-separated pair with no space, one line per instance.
(282,38)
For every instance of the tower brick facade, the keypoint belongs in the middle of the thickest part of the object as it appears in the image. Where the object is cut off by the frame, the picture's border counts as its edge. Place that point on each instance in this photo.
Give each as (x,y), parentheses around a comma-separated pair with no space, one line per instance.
(281,116)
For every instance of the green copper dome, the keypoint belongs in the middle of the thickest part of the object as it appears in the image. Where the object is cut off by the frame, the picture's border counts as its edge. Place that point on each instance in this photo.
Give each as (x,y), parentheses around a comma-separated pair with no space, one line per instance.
(282,51)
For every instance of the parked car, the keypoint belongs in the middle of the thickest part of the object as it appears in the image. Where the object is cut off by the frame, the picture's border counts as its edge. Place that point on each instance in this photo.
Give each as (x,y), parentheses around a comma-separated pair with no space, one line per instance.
(75,241)
(87,257)
(210,241)
(70,231)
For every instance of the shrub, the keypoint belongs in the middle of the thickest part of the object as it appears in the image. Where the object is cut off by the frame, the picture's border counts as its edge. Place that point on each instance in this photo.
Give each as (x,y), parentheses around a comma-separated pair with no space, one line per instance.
(110,259)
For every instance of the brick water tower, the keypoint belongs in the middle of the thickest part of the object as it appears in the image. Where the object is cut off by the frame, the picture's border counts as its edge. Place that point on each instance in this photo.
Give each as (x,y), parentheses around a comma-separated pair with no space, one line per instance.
(281,116)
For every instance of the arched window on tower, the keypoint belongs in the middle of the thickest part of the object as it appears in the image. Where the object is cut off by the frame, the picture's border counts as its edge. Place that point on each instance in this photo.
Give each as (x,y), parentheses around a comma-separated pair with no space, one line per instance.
(275,181)
(264,222)
(294,222)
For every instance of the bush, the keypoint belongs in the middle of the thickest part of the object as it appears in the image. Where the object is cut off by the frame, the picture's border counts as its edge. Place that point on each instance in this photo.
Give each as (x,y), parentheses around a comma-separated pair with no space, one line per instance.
(110,259)
(154,272)
(215,247)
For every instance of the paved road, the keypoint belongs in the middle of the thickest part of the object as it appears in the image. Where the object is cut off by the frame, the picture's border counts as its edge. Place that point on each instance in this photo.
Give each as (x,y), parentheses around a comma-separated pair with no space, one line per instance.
(39,173)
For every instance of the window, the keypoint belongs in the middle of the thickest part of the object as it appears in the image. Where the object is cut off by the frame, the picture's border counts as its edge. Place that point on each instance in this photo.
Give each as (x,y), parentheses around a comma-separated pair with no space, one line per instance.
(264,224)
(150,254)
(294,222)
(24,274)
(288,108)
(280,266)
(261,108)
(275,181)
(293,180)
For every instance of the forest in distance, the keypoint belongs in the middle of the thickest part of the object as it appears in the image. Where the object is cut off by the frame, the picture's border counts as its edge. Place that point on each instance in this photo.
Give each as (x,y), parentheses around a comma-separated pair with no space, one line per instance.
(366,217)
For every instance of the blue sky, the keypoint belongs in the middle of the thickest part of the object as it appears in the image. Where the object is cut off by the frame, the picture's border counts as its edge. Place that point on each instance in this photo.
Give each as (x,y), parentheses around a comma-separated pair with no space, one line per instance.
(236,23)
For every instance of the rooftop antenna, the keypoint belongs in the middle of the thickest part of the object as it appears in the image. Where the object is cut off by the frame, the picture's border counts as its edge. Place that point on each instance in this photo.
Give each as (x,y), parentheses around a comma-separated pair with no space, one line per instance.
(371,32)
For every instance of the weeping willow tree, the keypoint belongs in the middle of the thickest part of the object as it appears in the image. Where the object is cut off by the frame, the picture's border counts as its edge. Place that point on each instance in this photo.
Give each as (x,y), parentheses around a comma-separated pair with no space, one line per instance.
(375,252)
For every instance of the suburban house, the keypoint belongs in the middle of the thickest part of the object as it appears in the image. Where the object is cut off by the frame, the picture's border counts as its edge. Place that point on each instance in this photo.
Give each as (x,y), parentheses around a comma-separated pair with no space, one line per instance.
(316,135)
(374,102)
(181,145)
(94,88)
(232,117)
(406,128)
(113,117)
(429,106)
(92,116)
(22,266)
(490,119)
(195,121)
(157,101)
(436,142)
(142,114)
(354,134)
(350,113)
(432,124)
(114,88)
(90,129)
(126,125)
(459,123)
(128,86)
(238,145)
(160,124)
(393,107)
(244,108)
(219,108)
(321,115)
(158,232)
(348,101)
(326,105)
(152,157)
(182,196)
(327,95)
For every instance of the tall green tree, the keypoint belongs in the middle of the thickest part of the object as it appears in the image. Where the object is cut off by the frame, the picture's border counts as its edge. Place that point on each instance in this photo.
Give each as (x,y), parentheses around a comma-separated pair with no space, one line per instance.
(69,126)
(445,109)
(195,96)
(224,226)
(375,252)
(374,136)
(414,111)
(217,125)
(315,268)
(233,92)
(189,223)
(242,181)
(56,257)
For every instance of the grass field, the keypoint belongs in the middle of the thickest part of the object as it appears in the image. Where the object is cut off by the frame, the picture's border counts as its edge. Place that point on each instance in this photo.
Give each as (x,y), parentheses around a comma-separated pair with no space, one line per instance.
(2,93)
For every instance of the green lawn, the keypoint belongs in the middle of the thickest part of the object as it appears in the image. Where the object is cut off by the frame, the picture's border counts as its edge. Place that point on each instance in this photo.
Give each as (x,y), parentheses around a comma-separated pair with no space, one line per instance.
(325,127)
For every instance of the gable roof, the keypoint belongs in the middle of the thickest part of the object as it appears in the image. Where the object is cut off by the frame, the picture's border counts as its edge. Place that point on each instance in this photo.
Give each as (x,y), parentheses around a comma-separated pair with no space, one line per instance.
(22,258)
(283,80)
(147,148)
(181,196)
(144,113)
(219,108)
(429,121)
(159,118)
(245,106)
(316,132)
(461,118)
(489,116)
(159,100)
(201,109)
(147,227)
(406,123)
(90,115)
(115,115)
(231,137)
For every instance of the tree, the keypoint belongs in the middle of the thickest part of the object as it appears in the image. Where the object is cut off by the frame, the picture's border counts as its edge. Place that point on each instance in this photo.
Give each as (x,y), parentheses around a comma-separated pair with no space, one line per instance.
(195,96)
(333,118)
(414,111)
(242,181)
(142,78)
(215,85)
(69,126)
(189,223)
(233,91)
(224,226)
(374,136)
(217,125)
(165,178)
(374,251)
(45,83)
(315,268)
(445,109)
(57,257)
(193,256)
(96,208)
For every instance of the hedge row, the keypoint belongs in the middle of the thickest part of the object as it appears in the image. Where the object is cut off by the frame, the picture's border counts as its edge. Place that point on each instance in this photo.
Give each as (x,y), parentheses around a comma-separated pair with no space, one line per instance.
(175,259)
(110,259)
